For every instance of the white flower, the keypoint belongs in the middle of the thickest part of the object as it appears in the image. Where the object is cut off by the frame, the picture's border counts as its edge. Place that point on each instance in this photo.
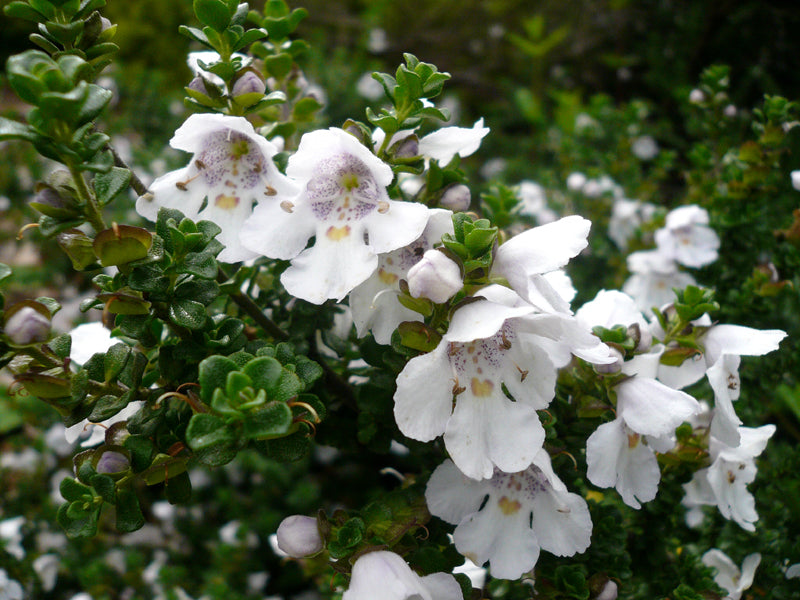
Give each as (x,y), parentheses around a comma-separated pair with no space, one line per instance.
(231,170)
(9,589)
(728,576)
(11,536)
(620,454)
(298,536)
(508,519)
(533,202)
(46,567)
(654,276)
(724,483)
(795,175)
(368,87)
(87,340)
(687,237)
(626,217)
(386,575)
(435,277)
(696,96)
(576,181)
(644,148)
(457,389)
(345,205)
(443,144)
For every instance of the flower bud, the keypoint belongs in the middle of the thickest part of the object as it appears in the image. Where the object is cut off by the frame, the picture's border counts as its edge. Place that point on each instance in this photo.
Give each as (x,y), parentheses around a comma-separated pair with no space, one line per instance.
(249,83)
(198,85)
(112,462)
(27,325)
(299,536)
(609,591)
(456,198)
(435,277)
(408,147)
(642,337)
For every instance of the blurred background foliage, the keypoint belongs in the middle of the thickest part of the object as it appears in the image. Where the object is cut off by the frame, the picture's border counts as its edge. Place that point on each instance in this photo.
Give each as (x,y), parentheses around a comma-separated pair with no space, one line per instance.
(566,86)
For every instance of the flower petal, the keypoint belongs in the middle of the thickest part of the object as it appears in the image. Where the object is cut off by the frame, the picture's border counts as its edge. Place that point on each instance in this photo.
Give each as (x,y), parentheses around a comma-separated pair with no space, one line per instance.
(451,495)
(423,400)
(651,408)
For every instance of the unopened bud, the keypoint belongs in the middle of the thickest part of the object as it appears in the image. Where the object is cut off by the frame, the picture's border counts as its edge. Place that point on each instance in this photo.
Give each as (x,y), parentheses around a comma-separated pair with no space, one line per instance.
(408,147)
(105,24)
(642,337)
(49,202)
(112,462)
(198,85)
(27,326)
(456,198)
(299,536)
(249,83)
(435,277)
(609,591)
(614,367)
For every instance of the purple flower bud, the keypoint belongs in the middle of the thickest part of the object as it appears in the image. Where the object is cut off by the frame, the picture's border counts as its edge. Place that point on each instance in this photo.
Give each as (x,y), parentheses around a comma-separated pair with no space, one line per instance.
(112,462)
(408,147)
(609,591)
(642,336)
(456,198)
(435,277)
(198,85)
(299,536)
(27,326)
(104,24)
(249,83)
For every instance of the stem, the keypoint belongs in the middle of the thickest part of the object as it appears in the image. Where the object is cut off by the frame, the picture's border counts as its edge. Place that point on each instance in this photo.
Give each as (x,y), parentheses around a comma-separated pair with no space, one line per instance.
(93,214)
(136,183)
(252,309)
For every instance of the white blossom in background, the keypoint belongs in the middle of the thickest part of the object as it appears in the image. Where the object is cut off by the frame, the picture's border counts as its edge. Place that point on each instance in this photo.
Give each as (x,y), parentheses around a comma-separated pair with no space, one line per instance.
(687,238)
(724,483)
(728,576)
(231,170)
(526,512)
(9,589)
(46,567)
(368,87)
(11,536)
(386,575)
(696,96)
(627,216)
(377,40)
(795,175)
(653,277)
(644,147)
(575,181)
(87,340)
(345,205)
(533,202)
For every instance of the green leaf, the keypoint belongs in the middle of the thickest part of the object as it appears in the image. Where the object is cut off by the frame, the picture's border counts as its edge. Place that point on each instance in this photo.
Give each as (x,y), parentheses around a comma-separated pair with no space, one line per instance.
(305,109)
(73,490)
(188,313)
(105,487)
(268,374)
(199,264)
(108,185)
(203,291)
(213,13)
(21,10)
(272,421)
(95,101)
(129,513)
(179,488)
(193,33)
(212,440)
(279,65)
(141,450)
(107,406)
(13,130)
(5,271)
(78,522)
(213,374)
(115,360)
(122,244)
